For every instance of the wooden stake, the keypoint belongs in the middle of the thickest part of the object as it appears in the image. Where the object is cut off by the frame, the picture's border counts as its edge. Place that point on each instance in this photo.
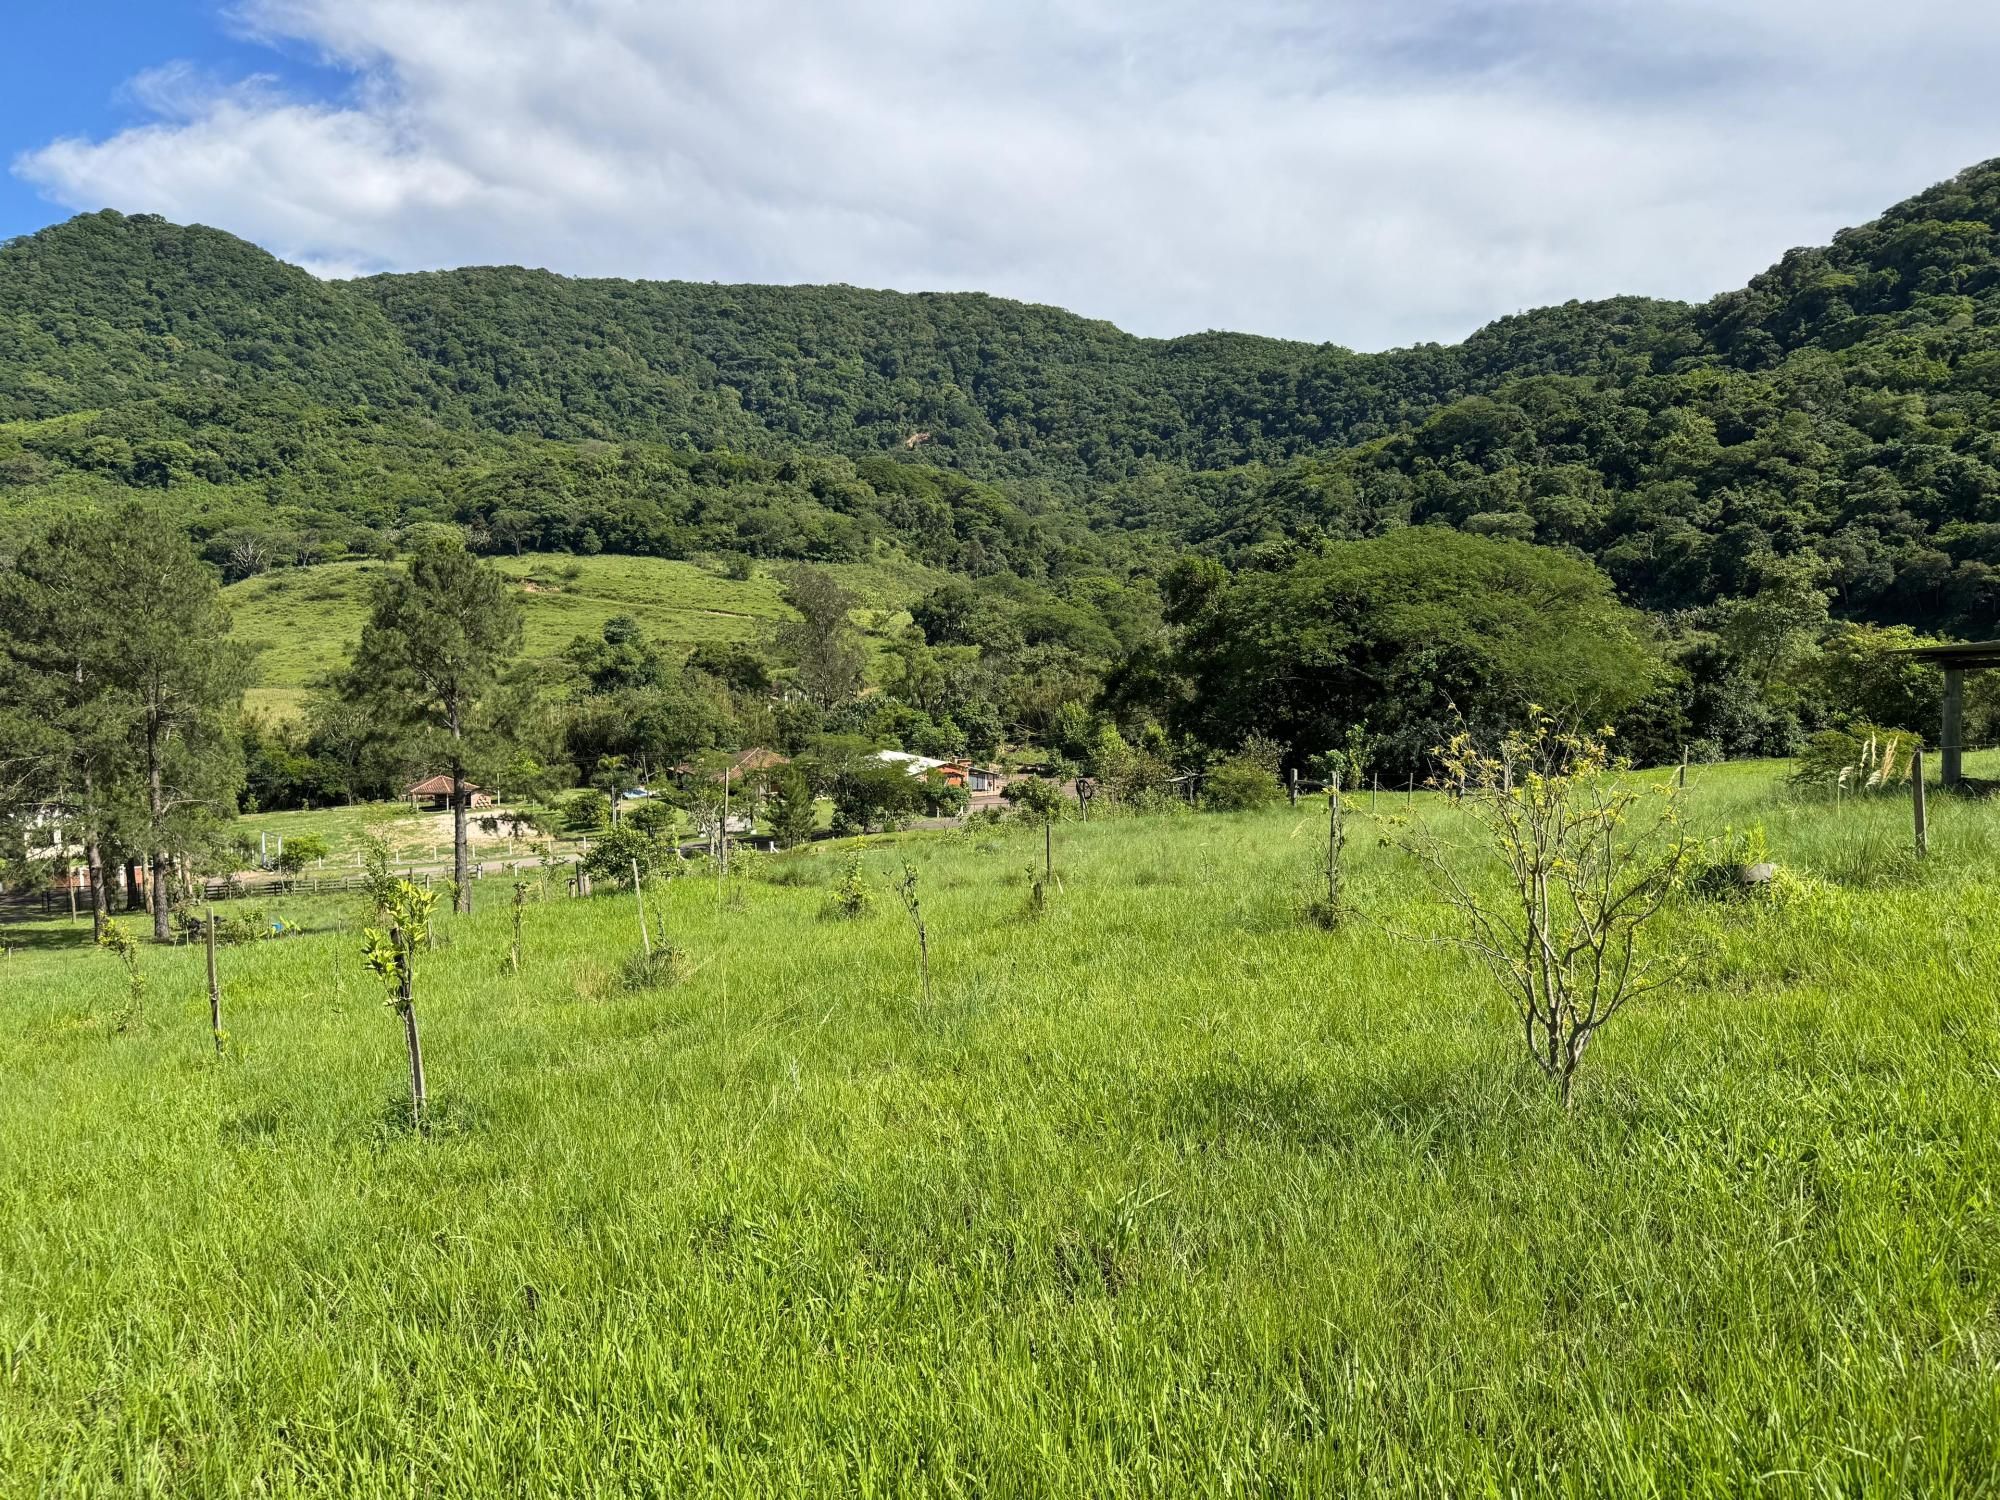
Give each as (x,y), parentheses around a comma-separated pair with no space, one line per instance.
(407,1003)
(1682,780)
(1951,743)
(1917,801)
(514,948)
(639,891)
(214,987)
(1333,847)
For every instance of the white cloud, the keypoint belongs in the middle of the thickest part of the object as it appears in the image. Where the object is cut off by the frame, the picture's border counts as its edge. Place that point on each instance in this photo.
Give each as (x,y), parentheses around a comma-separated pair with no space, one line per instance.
(1367,171)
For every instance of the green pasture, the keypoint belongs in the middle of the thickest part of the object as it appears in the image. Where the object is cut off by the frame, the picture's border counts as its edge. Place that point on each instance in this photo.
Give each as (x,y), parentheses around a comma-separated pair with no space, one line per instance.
(1165,1192)
(303,622)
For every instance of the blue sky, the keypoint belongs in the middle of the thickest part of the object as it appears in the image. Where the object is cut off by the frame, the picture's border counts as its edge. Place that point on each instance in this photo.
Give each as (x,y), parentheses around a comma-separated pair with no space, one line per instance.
(68,67)
(1369,172)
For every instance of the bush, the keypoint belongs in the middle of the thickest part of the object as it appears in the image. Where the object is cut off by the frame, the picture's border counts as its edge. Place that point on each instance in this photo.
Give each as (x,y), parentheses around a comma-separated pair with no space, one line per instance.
(611,856)
(1243,783)
(1723,870)
(300,851)
(868,793)
(664,967)
(586,811)
(1039,799)
(1590,861)
(851,897)
(654,818)
(943,799)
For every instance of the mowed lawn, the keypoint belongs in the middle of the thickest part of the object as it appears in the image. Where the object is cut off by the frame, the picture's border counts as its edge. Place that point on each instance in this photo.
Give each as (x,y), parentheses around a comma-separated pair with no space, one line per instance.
(1165,1192)
(303,622)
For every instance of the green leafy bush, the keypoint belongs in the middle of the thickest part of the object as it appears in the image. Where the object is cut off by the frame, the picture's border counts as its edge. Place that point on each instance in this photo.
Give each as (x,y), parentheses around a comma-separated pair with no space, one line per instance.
(1243,783)
(586,811)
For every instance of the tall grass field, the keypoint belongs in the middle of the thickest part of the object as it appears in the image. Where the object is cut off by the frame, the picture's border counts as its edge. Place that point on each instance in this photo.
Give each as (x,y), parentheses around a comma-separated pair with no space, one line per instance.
(1166,1191)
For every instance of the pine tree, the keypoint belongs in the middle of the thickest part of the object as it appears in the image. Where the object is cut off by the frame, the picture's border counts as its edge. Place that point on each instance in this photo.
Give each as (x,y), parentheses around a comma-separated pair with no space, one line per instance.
(439,638)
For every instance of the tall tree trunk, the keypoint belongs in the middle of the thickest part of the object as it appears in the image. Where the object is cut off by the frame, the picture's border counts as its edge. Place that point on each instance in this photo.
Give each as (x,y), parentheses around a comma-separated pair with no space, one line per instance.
(162,887)
(461,865)
(163,864)
(100,899)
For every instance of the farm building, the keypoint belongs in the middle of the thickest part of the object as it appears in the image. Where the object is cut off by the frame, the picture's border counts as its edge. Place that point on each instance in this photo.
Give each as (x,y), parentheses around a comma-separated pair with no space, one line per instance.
(433,794)
(955,772)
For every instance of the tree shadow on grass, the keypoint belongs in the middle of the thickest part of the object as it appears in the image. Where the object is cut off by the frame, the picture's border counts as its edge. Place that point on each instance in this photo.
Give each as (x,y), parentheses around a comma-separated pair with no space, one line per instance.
(44,939)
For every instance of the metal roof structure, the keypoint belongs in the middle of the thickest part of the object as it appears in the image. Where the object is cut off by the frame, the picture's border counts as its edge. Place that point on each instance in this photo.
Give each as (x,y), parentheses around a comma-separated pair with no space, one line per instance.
(1958,654)
(1957,658)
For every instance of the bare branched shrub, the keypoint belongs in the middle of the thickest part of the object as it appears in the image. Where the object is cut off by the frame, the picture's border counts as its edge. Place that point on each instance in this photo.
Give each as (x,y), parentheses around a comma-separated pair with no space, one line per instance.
(1328,910)
(906,888)
(1589,857)
(120,942)
(521,889)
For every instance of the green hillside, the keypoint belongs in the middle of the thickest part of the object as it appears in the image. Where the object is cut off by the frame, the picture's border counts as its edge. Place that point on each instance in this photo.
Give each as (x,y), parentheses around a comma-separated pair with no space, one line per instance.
(303,622)
(1845,406)
(107,309)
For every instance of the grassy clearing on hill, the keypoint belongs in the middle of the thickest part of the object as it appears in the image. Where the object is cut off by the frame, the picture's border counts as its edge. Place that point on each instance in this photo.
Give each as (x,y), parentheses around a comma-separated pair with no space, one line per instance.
(305,621)
(1167,1192)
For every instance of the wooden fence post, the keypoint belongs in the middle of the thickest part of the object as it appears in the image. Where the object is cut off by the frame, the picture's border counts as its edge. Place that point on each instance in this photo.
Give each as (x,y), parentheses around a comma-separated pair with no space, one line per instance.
(1917,801)
(1681,780)
(1292,784)
(1333,848)
(514,947)
(406,1002)
(639,893)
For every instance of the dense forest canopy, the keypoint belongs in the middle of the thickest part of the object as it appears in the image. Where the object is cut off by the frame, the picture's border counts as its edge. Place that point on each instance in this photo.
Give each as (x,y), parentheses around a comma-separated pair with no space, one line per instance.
(1815,455)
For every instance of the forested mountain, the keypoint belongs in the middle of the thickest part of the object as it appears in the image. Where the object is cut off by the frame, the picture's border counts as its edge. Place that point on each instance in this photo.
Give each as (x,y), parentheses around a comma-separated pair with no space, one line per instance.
(105,309)
(1842,403)
(1828,435)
